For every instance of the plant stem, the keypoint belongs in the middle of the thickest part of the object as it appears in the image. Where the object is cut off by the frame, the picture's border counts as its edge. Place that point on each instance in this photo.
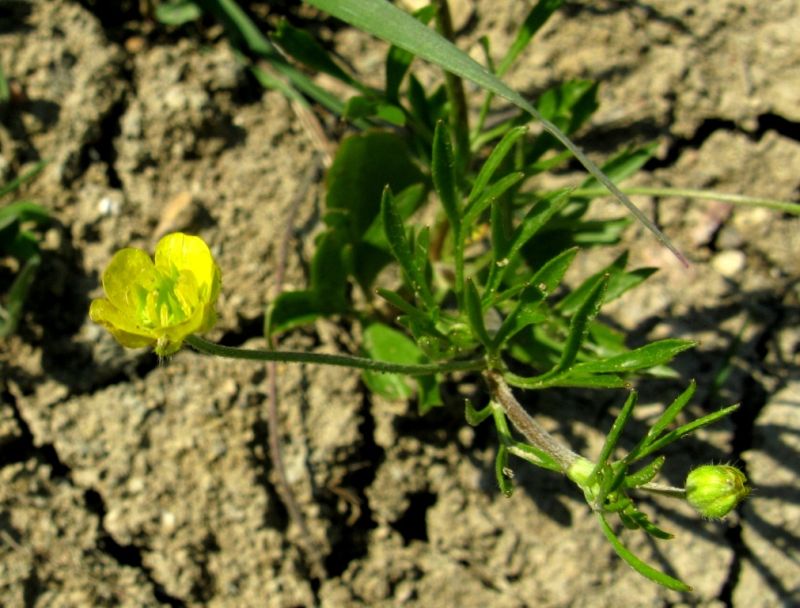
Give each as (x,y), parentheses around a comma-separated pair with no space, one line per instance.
(459,118)
(458,259)
(663,489)
(734,199)
(288,356)
(525,424)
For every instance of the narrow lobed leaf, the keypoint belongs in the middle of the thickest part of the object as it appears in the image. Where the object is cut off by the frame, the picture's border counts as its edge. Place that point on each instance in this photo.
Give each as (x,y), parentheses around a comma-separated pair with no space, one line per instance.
(489,196)
(613,436)
(667,417)
(637,564)
(305,48)
(646,474)
(656,353)
(475,417)
(579,325)
(550,275)
(401,249)
(536,18)
(497,156)
(500,468)
(472,301)
(684,430)
(444,177)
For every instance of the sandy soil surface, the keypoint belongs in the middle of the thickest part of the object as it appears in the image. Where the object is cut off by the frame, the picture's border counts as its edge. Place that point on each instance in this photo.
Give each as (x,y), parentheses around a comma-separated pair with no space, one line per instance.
(128,482)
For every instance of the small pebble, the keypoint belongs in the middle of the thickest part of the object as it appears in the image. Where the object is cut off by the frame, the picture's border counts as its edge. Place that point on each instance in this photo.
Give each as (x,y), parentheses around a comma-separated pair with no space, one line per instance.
(729,263)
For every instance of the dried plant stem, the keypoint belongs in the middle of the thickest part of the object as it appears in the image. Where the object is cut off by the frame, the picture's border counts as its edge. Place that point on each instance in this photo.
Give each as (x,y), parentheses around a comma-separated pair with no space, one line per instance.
(307,544)
(526,425)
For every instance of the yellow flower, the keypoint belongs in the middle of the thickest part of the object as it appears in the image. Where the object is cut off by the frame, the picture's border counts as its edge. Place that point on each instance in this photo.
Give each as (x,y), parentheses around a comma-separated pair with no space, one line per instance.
(159,303)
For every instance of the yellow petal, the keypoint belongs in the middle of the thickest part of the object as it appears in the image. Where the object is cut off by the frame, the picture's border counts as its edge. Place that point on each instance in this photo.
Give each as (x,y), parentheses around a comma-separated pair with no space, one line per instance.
(120,325)
(184,252)
(128,268)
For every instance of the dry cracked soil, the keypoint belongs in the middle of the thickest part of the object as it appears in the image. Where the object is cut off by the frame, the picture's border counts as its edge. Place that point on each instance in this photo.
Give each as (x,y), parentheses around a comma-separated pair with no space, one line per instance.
(129,482)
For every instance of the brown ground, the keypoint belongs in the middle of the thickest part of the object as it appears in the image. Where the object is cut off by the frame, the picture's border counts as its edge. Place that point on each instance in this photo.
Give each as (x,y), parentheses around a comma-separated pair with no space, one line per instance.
(125,482)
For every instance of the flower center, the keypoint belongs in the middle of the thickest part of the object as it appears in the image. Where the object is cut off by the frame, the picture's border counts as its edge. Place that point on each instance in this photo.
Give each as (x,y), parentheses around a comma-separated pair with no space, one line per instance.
(171,299)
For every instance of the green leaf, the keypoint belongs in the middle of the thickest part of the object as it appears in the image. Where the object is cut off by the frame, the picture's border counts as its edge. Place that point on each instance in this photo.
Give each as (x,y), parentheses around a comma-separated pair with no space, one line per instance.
(23,211)
(550,275)
(489,196)
(613,436)
(240,28)
(305,48)
(386,344)
(536,18)
(666,418)
(15,183)
(329,274)
(178,13)
(533,221)
(475,417)
(472,302)
(406,202)
(536,218)
(327,293)
(365,163)
(624,164)
(444,176)
(625,281)
(579,326)
(646,474)
(420,106)
(577,297)
(527,312)
(684,430)
(428,394)
(568,105)
(5,92)
(642,521)
(637,564)
(497,156)
(290,82)
(10,316)
(401,249)
(656,353)
(360,107)
(390,23)
(500,468)
(569,379)
(407,308)
(292,309)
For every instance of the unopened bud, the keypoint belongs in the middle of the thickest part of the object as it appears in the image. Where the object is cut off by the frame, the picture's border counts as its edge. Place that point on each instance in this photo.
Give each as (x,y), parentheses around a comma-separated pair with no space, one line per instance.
(715,490)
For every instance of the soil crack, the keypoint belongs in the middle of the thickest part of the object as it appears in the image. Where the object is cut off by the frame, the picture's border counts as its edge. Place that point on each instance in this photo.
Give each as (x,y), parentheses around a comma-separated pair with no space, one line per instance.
(24,448)
(766,123)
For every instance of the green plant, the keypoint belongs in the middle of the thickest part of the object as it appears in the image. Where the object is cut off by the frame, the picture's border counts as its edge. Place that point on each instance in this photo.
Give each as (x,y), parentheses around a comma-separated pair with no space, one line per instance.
(480,289)
(19,245)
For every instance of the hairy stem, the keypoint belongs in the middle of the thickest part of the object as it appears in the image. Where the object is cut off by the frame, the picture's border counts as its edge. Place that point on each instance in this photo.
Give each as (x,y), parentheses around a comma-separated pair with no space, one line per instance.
(290,356)
(663,489)
(525,424)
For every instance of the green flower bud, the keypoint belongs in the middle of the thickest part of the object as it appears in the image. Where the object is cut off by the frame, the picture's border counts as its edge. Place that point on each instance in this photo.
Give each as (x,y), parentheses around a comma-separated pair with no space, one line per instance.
(715,490)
